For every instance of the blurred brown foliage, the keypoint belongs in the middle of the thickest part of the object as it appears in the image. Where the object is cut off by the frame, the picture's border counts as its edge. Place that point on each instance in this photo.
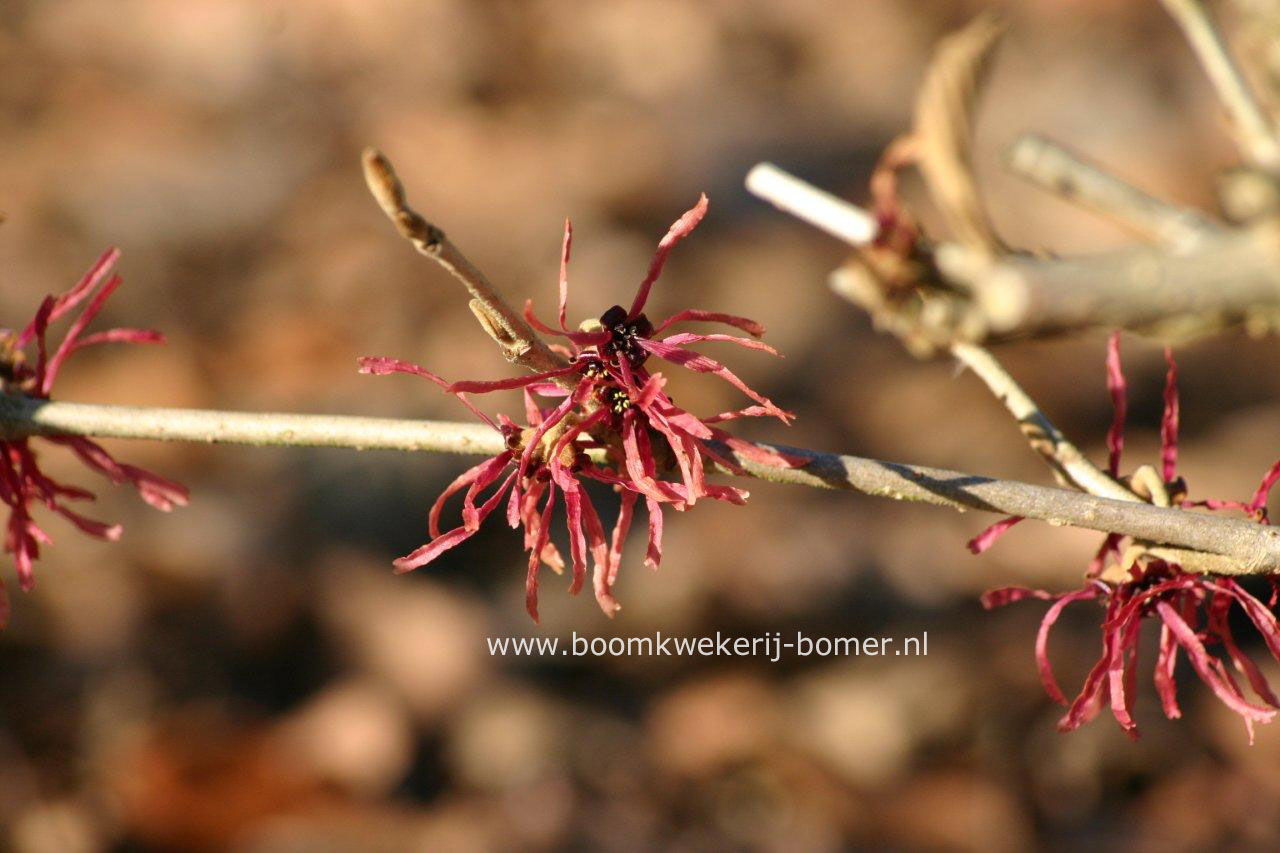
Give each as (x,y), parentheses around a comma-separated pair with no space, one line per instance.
(247,673)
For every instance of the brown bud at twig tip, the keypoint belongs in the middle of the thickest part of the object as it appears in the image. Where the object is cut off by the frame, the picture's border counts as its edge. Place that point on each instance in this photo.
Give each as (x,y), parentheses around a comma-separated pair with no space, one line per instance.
(508,329)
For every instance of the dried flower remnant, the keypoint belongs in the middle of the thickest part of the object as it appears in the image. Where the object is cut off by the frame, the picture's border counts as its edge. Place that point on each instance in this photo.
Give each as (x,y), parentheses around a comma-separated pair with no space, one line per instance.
(22,483)
(1192,609)
(606,401)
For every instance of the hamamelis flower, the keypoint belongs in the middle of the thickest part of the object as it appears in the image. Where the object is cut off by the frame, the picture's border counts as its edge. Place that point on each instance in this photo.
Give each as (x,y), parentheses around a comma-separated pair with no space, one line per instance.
(542,464)
(22,483)
(609,370)
(1191,608)
(605,402)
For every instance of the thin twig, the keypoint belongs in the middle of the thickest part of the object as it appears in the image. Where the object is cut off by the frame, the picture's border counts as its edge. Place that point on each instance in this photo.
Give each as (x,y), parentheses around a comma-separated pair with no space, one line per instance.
(1063,457)
(1244,547)
(21,416)
(518,342)
(818,207)
(1064,173)
(1255,133)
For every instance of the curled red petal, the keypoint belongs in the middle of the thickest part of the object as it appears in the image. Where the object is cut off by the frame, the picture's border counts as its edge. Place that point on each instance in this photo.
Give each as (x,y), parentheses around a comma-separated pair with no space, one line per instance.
(988,537)
(102,530)
(751,327)
(69,300)
(688,338)
(564,271)
(653,555)
(1169,421)
(1201,661)
(451,539)
(677,232)
(1042,639)
(483,386)
(86,316)
(1220,626)
(466,478)
(1264,489)
(582,339)
(626,509)
(1118,389)
(535,555)
(1166,662)
(1095,691)
(703,364)
(119,336)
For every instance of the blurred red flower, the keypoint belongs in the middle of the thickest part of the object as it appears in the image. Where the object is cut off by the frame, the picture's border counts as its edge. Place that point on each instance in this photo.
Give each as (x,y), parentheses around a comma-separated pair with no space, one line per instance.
(22,483)
(1192,608)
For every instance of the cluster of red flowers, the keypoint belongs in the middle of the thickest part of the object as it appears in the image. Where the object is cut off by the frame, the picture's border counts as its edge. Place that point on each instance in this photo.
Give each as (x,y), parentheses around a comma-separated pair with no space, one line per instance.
(613,423)
(22,483)
(1192,609)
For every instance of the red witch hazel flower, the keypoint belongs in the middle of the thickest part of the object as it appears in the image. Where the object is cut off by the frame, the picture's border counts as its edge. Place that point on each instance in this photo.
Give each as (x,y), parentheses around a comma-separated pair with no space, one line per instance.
(21,481)
(614,423)
(1192,609)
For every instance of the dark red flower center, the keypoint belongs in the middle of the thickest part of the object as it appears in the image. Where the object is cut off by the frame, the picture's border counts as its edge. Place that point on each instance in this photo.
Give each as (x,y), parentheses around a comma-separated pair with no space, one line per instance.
(623,332)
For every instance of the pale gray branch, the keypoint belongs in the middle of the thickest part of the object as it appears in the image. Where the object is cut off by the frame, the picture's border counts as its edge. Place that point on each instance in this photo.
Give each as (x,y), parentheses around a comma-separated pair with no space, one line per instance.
(1064,173)
(1244,547)
(1223,280)
(1063,457)
(1255,133)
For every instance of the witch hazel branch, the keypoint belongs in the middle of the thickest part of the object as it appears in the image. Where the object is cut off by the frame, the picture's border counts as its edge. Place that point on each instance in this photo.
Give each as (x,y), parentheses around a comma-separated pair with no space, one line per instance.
(907,283)
(595,409)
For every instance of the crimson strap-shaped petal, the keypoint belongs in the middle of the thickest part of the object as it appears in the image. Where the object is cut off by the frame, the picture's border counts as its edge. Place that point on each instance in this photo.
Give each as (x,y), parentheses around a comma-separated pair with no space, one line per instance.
(1095,690)
(653,555)
(73,297)
(1042,640)
(437,546)
(703,364)
(564,272)
(1166,662)
(99,529)
(1263,619)
(689,338)
(1169,421)
(1120,673)
(160,493)
(119,336)
(751,327)
(582,339)
(377,365)
(86,316)
(601,584)
(483,387)
(1202,662)
(535,555)
(1264,489)
(1118,390)
(988,537)
(621,528)
(1004,595)
(1220,626)
(677,232)
(466,478)
(487,476)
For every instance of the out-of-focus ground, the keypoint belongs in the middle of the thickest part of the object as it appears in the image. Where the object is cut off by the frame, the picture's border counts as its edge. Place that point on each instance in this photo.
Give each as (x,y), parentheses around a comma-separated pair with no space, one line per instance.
(248,673)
